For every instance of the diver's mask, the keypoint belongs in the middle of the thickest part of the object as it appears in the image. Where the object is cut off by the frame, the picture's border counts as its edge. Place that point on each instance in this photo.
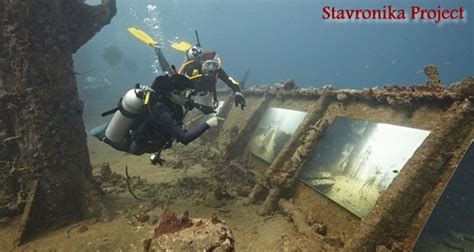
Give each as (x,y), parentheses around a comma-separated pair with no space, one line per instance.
(210,67)
(194,52)
(181,97)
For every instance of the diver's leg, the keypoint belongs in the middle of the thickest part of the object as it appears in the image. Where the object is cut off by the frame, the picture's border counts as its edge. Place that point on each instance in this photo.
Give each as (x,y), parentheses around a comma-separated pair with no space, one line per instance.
(165,66)
(99,131)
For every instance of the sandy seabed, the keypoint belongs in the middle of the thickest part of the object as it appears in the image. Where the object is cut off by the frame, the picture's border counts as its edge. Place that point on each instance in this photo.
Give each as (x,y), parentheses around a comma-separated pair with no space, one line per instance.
(124,232)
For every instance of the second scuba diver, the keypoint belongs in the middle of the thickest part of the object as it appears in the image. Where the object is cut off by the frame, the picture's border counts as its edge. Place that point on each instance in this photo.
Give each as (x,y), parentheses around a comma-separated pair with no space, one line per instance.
(148,120)
(203,69)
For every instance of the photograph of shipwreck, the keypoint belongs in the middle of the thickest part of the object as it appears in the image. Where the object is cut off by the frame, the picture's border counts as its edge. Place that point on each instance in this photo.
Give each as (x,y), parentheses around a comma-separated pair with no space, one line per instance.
(189,125)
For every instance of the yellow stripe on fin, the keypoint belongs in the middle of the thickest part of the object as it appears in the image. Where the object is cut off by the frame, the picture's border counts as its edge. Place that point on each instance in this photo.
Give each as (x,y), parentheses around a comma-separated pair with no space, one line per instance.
(181,46)
(142,36)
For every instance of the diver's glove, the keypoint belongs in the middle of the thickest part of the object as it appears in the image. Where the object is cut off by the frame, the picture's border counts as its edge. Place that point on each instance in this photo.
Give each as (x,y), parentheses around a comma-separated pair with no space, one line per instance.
(239,100)
(212,122)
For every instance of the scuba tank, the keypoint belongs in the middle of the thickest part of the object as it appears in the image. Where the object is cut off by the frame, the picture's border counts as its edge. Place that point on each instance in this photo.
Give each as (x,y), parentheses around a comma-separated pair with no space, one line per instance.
(130,107)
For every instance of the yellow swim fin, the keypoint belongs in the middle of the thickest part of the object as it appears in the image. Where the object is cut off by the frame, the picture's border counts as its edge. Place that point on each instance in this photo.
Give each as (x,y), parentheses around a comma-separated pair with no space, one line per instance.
(181,46)
(142,36)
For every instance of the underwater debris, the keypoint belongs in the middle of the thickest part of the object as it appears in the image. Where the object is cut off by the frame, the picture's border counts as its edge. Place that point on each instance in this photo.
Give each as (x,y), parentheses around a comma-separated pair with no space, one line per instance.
(68,230)
(434,79)
(212,201)
(286,85)
(108,178)
(314,235)
(341,96)
(142,216)
(334,241)
(319,228)
(128,184)
(9,139)
(158,193)
(170,223)
(233,179)
(81,227)
(181,233)
(464,88)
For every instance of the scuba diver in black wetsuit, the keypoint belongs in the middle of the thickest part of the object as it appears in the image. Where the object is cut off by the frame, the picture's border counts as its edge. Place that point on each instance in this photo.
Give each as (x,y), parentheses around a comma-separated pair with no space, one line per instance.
(163,118)
(149,119)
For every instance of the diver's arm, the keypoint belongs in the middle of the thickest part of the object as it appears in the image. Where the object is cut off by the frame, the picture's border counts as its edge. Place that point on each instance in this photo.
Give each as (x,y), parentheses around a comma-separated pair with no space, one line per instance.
(225,78)
(238,97)
(174,130)
(165,66)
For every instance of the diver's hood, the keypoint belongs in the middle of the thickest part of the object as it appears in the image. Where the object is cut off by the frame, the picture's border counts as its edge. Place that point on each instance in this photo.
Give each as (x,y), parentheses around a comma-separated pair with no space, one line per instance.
(167,84)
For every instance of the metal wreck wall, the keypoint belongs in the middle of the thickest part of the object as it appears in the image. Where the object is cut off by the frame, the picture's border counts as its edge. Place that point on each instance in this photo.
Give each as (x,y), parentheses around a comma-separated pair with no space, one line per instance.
(402,209)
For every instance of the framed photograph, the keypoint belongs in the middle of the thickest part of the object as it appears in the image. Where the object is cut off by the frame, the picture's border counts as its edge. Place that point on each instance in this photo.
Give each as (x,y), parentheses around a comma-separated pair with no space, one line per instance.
(451,224)
(273,131)
(356,161)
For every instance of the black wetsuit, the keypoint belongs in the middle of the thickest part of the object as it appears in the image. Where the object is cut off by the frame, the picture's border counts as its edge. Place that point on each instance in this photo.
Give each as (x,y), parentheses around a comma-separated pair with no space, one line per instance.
(162,123)
(165,66)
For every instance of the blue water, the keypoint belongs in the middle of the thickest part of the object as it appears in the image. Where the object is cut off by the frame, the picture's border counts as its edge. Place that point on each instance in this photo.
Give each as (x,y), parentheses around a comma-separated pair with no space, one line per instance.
(278,40)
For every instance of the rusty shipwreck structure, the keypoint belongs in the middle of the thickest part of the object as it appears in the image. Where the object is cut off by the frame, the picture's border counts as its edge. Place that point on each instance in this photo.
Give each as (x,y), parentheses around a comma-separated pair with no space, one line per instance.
(51,188)
(401,211)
